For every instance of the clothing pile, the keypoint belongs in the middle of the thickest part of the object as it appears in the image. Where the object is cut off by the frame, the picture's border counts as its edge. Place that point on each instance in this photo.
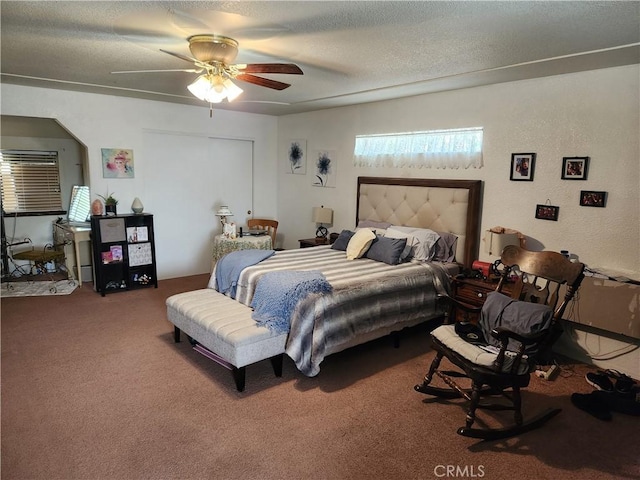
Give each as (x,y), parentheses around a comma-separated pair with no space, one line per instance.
(614,392)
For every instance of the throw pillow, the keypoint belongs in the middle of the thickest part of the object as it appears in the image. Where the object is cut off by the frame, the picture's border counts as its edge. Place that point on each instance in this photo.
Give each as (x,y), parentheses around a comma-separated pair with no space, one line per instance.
(360,243)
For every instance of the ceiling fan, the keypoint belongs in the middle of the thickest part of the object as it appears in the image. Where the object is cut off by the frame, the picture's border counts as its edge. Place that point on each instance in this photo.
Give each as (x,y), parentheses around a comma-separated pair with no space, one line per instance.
(213,57)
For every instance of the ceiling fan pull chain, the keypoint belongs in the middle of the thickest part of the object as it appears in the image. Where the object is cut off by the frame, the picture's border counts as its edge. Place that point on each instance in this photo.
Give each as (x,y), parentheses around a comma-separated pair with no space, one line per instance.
(210,110)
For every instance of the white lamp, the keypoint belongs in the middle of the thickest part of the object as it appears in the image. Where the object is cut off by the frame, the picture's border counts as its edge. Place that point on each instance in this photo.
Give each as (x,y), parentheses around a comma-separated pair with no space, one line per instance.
(322,215)
(224,212)
(494,242)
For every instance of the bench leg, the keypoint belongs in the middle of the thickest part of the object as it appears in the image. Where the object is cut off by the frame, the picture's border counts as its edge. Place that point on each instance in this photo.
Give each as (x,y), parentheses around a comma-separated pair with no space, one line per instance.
(176,334)
(276,362)
(239,377)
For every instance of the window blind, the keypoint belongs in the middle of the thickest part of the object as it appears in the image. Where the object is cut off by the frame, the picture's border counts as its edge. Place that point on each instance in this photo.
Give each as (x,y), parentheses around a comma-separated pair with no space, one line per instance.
(456,148)
(30,181)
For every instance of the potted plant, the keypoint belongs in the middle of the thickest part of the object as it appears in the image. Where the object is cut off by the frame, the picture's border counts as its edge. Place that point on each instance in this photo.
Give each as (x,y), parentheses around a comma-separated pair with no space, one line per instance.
(110,204)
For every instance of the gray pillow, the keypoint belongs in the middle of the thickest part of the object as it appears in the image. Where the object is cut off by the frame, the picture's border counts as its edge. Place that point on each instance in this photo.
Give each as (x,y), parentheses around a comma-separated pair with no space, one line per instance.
(387,250)
(445,248)
(343,240)
(372,224)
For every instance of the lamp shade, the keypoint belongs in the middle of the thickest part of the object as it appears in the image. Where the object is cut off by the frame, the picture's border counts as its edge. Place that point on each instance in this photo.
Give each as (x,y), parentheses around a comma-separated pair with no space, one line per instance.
(322,215)
(224,211)
(494,243)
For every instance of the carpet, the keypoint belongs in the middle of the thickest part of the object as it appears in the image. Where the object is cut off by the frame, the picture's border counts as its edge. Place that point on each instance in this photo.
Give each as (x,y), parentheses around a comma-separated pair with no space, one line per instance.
(37,289)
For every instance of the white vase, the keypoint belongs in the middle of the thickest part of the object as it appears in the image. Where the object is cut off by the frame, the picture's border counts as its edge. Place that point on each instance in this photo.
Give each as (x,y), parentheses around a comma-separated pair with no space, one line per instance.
(137,206)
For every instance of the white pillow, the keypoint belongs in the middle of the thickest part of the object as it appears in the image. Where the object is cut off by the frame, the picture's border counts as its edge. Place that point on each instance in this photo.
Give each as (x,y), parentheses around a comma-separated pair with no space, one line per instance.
(360,243)
(423,247)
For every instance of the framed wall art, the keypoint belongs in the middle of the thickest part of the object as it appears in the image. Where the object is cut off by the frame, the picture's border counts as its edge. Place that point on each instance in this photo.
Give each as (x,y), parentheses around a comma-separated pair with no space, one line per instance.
(575,168)
(547,212)
(589,198)
(522,165)
(297,157)
(117,163)
(326,169)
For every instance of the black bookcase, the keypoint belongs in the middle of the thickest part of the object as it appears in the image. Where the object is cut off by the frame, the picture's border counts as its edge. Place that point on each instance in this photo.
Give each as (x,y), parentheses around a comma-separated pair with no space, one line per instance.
(124,254)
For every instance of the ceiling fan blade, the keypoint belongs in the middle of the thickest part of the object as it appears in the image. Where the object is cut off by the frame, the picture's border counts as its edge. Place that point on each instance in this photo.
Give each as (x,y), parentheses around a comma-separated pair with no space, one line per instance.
(263,82)
(181,56)
(285,68)
(187,70)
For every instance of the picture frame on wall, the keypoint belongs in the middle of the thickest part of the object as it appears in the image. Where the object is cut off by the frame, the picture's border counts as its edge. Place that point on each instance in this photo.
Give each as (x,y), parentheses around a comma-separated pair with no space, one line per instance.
(117,163)
(522,166)
(575,168)
(590,198)
(547,212)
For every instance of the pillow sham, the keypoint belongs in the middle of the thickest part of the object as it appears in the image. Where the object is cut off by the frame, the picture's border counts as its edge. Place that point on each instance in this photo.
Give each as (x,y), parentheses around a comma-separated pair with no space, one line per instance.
(373,224)
(360,243)
(343,240)
(411,242)
(387,250)
(423,247)
(445,249)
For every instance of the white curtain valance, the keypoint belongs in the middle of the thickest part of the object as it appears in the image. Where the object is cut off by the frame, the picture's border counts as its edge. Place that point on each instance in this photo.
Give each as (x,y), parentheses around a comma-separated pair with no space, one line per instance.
(436,148)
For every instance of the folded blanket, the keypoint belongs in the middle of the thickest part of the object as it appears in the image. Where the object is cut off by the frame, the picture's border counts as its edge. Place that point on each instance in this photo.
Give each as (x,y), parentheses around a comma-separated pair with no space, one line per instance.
(228,268)
(277,294)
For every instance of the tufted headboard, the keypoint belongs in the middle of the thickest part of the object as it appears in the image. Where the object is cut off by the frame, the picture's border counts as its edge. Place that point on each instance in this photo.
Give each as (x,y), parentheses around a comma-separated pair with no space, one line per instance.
(440,205)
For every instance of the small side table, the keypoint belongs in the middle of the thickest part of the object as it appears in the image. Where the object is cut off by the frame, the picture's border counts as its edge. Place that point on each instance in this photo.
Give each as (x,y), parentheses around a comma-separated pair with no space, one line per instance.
(223,245)
(473,291)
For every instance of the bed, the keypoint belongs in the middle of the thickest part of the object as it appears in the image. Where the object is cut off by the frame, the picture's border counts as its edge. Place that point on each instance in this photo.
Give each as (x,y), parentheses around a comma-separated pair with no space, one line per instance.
(371,298)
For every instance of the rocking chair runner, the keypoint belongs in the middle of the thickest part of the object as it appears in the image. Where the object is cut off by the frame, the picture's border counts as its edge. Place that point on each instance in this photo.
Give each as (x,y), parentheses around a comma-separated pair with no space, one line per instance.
(499,354)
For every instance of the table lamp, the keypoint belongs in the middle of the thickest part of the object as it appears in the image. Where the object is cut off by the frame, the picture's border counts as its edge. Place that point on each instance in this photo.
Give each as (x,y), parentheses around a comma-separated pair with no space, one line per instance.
(322,215)
(494,242)
(224,212)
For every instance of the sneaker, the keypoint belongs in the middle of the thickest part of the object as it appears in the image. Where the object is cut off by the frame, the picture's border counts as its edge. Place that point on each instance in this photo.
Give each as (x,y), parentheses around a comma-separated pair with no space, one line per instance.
(592,405)
(624,383)
(600,381)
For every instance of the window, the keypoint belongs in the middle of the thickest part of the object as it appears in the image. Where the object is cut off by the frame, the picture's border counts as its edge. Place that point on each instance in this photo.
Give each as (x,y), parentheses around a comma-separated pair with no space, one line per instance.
(30,182)
(436,148)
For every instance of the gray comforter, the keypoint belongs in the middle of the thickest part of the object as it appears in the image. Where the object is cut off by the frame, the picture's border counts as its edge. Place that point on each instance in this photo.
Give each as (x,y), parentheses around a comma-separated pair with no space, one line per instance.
(368,296)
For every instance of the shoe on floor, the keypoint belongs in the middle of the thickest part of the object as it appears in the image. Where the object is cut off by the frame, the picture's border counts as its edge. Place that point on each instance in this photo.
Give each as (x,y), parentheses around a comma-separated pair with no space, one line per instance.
(592,405)
(618,403)
(600,381)
(624,383)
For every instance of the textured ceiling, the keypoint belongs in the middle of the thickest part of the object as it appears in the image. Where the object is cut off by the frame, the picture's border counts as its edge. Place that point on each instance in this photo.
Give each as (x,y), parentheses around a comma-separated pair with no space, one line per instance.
(350,52)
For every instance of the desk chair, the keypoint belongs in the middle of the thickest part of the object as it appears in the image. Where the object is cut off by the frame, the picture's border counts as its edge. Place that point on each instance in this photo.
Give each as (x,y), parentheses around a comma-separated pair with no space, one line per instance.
(271,226)
(499,354)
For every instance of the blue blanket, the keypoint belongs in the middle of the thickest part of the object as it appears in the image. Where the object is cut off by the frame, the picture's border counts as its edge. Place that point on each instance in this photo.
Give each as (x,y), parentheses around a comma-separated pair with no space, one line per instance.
(228,268)
(277,294)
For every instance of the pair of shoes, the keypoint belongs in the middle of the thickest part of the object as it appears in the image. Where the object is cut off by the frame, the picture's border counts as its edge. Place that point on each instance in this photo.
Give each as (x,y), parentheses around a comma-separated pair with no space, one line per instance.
(593,405)
(600,381)
(624,383)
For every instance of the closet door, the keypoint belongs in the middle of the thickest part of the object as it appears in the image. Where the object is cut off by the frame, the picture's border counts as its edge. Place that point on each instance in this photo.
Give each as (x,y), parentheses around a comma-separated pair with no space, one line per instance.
(187,178)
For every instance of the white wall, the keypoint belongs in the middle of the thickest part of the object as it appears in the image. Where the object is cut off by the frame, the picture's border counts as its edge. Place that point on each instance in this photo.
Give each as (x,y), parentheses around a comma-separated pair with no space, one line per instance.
(594,114)
(591,114)
(100,121)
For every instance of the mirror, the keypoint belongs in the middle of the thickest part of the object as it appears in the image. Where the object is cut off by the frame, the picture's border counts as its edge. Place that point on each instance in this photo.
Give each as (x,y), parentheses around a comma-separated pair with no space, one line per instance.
(80,206)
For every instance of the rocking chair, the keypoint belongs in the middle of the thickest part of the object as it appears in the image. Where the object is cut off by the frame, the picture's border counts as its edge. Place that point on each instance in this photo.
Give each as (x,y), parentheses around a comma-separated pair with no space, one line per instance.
(499,354)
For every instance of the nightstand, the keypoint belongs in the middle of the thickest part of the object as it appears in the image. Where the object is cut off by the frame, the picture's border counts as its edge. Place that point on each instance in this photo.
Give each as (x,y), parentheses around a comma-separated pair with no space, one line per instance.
(473,291)
(313,242)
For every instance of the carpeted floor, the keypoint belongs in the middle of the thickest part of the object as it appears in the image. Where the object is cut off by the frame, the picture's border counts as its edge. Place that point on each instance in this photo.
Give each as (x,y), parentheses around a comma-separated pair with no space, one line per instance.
(95,388)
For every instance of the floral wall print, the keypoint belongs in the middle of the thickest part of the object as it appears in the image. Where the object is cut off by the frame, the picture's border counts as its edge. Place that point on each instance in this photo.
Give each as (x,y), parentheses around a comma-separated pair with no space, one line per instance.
(297,157)
(117,163)
(326,167)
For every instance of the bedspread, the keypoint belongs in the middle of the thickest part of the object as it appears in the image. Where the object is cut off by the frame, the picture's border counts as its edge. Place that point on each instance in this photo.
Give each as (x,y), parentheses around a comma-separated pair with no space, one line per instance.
(367,296)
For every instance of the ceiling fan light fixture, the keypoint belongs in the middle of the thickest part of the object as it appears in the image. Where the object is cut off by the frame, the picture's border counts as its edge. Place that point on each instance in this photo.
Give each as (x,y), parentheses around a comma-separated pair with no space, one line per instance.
(233,91)
(201,87)
(214,88)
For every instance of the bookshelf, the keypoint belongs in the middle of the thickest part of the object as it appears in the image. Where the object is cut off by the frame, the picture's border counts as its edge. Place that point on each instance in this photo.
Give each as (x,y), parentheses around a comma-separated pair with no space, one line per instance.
(124,255)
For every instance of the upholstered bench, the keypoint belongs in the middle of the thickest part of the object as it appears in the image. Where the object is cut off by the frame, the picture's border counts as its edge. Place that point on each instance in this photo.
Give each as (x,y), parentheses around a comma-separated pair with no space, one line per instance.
(222,329)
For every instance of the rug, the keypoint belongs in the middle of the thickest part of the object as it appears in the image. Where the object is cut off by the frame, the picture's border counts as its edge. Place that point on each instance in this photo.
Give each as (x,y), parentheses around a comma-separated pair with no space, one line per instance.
(36,289)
